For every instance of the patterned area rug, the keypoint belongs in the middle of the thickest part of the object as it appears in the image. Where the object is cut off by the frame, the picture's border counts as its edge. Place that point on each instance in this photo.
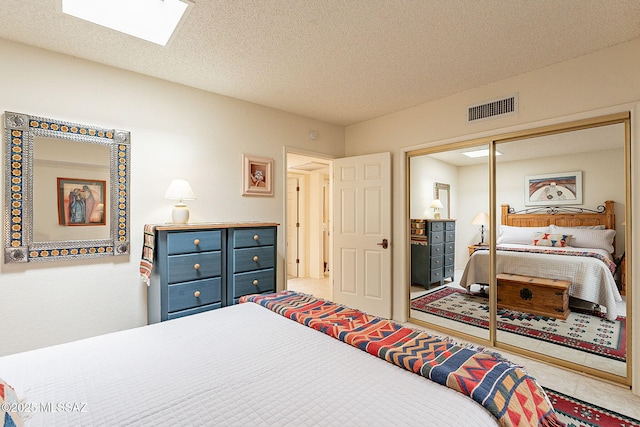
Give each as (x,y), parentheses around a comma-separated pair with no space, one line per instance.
(577,413)
(583,330)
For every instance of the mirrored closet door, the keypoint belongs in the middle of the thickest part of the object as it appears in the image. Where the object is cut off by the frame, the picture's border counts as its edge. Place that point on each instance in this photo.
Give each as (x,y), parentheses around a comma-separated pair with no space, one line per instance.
(541,238)
(443,238)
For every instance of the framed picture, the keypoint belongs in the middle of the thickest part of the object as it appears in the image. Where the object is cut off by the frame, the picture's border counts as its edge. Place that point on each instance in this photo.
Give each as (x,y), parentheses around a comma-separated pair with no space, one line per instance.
(563,188)
(257,176)
(81,202)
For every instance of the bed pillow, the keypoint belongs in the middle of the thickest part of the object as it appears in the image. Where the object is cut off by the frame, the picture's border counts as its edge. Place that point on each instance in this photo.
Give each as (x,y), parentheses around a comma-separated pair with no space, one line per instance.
(9,403)
(589,227)
(587,238)
(518,235)
(551,240)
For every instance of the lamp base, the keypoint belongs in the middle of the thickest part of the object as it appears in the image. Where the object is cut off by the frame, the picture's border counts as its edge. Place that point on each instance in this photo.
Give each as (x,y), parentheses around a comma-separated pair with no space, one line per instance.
(180,214)
(436,215)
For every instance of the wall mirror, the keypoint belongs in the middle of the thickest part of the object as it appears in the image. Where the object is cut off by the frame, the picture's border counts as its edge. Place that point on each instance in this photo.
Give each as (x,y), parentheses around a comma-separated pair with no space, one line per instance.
(582,172)
(66,190)
(441,192)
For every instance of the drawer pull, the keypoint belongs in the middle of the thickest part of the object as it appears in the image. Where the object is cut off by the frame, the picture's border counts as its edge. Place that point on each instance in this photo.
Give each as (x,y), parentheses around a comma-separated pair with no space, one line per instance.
(196,242)
(255,258)
(255,282)
(196,266)
(196,294)
(255,237)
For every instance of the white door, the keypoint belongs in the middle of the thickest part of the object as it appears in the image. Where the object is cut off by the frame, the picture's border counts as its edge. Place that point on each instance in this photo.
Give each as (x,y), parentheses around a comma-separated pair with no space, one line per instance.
(293,226)
(362,224)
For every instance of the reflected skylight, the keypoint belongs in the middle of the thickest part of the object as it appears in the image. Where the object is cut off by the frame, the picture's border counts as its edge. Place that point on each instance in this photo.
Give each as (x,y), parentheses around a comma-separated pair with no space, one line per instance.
(480,153)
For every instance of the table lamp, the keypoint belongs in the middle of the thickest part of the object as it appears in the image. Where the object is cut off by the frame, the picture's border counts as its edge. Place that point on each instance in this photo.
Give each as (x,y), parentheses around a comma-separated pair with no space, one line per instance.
(180,190)
(436,205)
(481,219)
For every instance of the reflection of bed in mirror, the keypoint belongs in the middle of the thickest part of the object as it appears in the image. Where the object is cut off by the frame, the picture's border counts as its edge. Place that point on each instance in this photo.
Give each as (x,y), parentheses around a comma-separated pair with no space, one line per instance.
(536,243)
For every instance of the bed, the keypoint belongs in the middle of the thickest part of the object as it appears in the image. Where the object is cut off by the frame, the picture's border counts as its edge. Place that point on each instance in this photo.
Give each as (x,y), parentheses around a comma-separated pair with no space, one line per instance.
(571,244)
(262,362)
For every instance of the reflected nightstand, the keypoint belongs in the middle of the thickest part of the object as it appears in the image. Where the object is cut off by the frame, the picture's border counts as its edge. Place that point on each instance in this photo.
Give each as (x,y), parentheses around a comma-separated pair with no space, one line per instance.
(473,248)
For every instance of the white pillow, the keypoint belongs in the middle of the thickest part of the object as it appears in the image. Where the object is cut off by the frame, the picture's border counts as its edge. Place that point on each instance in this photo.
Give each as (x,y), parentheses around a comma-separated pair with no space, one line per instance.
(587,238)
(588,227)
(519,235)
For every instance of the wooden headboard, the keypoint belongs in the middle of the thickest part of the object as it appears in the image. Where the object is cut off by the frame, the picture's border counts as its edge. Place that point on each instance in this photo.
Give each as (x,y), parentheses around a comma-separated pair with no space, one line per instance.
(560,216)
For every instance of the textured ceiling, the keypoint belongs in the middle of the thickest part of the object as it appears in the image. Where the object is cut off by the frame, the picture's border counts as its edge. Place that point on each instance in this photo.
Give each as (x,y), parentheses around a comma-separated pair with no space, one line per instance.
(341,61)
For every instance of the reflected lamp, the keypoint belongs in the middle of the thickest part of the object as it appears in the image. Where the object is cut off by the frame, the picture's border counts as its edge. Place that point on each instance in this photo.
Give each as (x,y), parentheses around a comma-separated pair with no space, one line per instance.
(436,205)
(481,219)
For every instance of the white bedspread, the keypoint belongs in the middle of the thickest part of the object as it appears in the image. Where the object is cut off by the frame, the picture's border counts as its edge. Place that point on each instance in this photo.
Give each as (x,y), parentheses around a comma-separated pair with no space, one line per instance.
(590,278)
(242,365)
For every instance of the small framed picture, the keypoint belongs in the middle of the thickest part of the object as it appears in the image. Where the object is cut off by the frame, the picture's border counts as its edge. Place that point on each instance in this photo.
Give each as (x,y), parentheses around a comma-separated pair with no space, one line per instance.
(257,176)
(562,188)
(81,202)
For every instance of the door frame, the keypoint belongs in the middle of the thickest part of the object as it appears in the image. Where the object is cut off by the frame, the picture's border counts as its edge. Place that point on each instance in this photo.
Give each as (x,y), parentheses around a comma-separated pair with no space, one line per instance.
(285,171)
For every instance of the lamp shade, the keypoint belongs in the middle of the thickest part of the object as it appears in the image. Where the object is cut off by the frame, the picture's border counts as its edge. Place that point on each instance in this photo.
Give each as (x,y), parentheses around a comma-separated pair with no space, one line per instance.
(481,218)
(436,204)
(179,189)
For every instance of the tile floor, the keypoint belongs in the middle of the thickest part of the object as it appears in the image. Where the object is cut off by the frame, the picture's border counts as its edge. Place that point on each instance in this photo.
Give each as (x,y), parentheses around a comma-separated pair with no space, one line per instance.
(602,393)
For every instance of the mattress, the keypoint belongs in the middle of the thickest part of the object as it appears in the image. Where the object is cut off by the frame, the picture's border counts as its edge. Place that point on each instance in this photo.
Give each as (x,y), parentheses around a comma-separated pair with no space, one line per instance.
(591,280)
(240,365)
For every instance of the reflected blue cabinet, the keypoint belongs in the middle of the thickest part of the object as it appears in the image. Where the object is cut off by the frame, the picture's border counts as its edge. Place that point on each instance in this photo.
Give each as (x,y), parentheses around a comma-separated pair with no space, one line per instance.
(204,267)
(433,246)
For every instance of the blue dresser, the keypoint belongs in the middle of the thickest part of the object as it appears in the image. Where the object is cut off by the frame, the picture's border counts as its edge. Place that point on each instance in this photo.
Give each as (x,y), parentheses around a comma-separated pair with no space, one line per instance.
(207,266)
(433,247)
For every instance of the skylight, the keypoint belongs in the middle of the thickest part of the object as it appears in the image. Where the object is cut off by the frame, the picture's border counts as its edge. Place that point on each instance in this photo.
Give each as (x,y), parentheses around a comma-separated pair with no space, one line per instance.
(151,20)
(480,153)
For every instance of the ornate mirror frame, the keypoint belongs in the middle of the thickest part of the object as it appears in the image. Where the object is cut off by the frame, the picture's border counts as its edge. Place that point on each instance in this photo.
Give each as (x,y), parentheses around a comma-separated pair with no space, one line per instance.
(19,247)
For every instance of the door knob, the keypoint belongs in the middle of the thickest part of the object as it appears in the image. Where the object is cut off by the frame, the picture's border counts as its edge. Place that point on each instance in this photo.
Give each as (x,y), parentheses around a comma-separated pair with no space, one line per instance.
(384,244)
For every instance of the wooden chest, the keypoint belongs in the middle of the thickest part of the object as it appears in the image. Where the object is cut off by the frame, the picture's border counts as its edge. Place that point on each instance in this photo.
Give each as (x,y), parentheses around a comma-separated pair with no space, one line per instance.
(535,295)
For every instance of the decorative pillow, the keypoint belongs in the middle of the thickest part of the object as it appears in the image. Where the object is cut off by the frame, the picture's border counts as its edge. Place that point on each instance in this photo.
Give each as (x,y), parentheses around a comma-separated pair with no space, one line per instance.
(552,240)
(518,235)
(9,405)
(586,238)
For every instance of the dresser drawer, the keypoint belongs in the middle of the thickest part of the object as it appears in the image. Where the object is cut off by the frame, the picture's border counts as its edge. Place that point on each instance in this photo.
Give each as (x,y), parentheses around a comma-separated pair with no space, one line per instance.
(435,276)
(194,241)
(448,259)
(448,271)
(436,237)
(191,311)
(253,282)
(450,247)
(181,268)
(437,250)
(436,262)
(436,226)
(194,294)
(449,236)
(253,237)
(450,226)
(253,259)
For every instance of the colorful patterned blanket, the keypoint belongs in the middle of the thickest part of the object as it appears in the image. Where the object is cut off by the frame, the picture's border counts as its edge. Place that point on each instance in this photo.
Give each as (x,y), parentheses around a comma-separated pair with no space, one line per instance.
(610,264)
(504,389)
(148,247)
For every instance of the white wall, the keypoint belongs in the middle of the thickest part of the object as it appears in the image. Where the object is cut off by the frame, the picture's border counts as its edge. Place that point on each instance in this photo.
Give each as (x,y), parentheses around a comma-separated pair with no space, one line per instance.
(568,90)
(176,131)
(424,173)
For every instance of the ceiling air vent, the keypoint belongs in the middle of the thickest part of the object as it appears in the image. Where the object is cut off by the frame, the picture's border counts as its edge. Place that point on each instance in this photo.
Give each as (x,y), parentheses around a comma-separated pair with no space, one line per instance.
(492,109)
